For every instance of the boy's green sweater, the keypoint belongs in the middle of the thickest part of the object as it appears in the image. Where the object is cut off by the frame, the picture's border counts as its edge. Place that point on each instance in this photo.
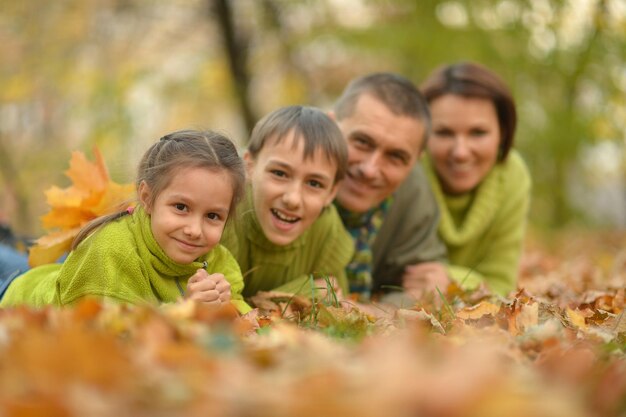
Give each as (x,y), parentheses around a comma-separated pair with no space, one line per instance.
(484,229)
(322,250)
(123,262)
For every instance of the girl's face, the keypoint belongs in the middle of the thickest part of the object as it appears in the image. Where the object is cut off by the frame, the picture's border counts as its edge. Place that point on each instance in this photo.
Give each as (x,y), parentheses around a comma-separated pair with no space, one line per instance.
(189,215)
(465,141)
(289,192)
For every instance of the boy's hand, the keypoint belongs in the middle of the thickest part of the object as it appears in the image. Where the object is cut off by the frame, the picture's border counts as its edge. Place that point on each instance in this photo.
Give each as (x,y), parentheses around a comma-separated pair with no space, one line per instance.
(210,289)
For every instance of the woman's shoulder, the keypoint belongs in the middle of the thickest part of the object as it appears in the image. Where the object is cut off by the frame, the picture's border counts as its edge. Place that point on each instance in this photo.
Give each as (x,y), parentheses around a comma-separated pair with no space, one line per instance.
(515,163)
(515,170)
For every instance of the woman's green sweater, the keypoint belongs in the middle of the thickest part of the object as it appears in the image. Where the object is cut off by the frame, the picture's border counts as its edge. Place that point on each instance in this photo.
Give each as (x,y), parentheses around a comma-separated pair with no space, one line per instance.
(484,229)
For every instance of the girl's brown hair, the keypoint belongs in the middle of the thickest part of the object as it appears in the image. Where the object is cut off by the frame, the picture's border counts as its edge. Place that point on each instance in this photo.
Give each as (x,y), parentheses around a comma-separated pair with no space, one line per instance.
(181,149)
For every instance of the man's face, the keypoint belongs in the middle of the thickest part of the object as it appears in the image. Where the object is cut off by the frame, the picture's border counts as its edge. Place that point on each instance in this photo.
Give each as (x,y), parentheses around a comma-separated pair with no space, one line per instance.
(382,148)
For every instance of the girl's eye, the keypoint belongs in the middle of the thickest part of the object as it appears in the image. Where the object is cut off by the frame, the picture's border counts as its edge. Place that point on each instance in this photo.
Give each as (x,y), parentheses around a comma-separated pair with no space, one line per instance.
(213,216)
(180,207)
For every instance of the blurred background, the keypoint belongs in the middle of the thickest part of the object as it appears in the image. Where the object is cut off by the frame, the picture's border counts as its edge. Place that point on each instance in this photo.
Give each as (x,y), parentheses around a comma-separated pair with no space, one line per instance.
(119,74)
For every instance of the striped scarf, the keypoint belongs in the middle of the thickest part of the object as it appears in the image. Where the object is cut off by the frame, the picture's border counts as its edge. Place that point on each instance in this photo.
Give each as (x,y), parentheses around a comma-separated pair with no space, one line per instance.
(363,227)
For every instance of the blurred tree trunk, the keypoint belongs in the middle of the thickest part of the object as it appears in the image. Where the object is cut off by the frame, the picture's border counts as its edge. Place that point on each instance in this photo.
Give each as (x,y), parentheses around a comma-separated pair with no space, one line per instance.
(569,136)
(290,56)
(236,48)
(9,174)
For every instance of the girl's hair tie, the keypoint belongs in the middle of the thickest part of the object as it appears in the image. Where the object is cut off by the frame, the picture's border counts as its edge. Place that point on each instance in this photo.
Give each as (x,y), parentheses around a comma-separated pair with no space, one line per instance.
(130,210)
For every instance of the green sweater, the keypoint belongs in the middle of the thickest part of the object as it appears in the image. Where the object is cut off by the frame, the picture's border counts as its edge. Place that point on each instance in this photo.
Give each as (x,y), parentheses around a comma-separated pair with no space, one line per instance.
(484,229)
(323,250)
(121,261)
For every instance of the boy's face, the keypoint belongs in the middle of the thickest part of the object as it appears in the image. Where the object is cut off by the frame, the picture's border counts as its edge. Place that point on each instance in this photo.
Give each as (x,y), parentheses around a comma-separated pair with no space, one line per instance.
(289,192)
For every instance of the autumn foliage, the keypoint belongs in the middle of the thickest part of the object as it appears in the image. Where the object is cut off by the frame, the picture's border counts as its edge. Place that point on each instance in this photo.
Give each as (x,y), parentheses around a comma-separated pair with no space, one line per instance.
(554,347)
(91,194)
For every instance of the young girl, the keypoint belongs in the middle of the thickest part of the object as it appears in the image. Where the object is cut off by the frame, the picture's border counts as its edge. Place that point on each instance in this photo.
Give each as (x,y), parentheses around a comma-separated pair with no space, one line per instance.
(167,248)
(287,229)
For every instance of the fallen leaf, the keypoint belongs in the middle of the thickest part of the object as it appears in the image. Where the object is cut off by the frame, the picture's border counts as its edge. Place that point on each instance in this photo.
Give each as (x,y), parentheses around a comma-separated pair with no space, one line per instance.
(91,195)
(478,311)
(576,318)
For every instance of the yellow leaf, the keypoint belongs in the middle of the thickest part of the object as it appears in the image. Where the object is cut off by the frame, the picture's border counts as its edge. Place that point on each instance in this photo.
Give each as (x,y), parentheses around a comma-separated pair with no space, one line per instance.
(91,195)
(68,197)
(66,218)
(49,248)
(478,311)
(116,197)
(86,175)
(576,318)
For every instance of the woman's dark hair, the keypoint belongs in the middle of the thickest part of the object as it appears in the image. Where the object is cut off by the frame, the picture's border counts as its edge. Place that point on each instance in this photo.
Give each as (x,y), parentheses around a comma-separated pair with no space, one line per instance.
(468,79)
(175,151)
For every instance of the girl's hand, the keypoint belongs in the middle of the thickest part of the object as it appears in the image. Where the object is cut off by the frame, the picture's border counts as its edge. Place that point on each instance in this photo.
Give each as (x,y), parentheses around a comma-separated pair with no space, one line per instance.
(222,286)
(210,289)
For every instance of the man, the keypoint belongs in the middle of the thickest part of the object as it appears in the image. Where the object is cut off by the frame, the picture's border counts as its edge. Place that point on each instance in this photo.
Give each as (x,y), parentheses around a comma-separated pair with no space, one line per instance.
(385,200)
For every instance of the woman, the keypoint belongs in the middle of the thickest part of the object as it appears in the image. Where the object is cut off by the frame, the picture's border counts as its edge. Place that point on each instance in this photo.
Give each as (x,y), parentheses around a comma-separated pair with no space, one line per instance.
(481,184)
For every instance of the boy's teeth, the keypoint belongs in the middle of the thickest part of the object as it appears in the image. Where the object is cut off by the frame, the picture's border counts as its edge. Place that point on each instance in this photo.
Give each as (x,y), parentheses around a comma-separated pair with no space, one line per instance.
(283,217)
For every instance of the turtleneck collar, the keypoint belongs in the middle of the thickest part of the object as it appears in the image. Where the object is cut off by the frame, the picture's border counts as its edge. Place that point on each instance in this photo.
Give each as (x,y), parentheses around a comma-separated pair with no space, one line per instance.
(255,231)
(466,216)
(151,252)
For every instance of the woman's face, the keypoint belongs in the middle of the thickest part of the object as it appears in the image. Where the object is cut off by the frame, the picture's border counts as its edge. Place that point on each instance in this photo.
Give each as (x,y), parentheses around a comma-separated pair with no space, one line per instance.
(465,141)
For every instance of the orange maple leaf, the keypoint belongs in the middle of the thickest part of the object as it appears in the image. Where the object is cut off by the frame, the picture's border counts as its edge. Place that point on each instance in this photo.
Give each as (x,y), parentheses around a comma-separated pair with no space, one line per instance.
(91,195)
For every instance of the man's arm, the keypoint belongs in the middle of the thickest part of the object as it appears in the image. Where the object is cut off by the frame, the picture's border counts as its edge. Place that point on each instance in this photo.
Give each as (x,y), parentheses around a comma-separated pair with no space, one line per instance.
(408,235)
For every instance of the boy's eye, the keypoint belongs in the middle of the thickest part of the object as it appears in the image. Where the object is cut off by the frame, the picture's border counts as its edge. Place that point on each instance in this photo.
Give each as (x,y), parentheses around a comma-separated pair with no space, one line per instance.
(180,206)
(316,184)
(278,173)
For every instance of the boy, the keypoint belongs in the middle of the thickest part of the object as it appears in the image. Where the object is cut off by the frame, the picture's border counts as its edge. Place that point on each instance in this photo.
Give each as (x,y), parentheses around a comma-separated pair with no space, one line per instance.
(287,227)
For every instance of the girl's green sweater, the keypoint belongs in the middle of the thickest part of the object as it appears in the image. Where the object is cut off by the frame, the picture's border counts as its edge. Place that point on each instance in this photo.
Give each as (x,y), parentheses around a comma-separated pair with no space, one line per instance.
(123,262)
(484,229)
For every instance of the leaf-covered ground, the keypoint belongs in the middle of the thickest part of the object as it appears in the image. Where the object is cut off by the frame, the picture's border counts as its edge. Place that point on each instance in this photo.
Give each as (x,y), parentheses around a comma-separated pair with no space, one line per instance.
(555,348)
